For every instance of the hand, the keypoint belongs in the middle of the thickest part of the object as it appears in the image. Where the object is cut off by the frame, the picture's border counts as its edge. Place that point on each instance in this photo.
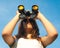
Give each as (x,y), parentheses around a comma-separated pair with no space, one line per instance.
(38,16)
(17,12)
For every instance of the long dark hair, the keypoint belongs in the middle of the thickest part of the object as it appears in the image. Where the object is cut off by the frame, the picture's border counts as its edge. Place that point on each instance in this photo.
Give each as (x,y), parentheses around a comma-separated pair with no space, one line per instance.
(22,32)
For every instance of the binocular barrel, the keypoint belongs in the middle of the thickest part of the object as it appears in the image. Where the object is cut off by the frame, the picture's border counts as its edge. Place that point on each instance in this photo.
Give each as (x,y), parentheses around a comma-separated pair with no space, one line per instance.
(25,13)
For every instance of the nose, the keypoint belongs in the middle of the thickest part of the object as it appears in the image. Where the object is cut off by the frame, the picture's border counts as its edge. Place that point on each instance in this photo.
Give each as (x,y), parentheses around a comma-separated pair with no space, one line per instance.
(29,25)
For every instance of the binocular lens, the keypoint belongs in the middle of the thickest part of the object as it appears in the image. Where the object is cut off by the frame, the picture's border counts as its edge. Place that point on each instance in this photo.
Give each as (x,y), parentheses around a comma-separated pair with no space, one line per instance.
(35,7)
(20,7)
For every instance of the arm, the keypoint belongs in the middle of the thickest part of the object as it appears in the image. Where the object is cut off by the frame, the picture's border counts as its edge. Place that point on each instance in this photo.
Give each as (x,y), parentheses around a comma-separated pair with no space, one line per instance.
(8,30)
(51,31)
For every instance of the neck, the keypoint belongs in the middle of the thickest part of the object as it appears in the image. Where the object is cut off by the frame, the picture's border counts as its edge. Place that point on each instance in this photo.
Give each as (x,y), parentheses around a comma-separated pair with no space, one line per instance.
(29,36)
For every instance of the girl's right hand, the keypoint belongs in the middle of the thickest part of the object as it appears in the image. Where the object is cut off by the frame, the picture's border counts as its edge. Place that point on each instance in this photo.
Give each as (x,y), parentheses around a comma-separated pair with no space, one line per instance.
(17,12)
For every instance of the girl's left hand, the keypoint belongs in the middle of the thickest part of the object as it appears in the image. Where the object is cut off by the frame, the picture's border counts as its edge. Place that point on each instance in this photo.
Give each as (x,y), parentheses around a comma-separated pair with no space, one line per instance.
(38,16)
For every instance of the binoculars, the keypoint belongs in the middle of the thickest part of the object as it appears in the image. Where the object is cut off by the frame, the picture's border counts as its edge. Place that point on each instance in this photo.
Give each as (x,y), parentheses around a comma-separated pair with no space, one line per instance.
(25,13)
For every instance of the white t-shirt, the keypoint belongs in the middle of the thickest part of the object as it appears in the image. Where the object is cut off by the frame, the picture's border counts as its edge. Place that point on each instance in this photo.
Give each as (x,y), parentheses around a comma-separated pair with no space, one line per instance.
(27,43)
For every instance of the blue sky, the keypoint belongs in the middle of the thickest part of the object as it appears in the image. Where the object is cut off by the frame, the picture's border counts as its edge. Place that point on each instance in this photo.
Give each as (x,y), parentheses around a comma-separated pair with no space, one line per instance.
(50,9)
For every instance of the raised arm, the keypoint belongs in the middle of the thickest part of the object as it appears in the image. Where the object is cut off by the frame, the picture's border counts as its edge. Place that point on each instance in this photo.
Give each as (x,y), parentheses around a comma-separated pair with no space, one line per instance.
(50,29)
(8,30)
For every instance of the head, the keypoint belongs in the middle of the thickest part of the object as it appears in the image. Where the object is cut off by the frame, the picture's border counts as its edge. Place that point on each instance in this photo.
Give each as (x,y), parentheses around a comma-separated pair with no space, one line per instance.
(28,26)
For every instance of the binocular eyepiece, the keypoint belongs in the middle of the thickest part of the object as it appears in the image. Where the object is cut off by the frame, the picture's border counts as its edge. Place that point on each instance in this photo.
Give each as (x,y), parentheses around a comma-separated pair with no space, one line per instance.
(25,13)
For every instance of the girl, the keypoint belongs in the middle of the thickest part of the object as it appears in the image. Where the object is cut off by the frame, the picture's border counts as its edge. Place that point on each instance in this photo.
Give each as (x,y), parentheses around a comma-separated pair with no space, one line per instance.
(28,33)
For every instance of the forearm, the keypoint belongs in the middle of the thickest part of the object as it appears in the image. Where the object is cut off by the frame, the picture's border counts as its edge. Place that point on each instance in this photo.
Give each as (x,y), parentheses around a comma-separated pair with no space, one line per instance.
(11,25)
(47,24)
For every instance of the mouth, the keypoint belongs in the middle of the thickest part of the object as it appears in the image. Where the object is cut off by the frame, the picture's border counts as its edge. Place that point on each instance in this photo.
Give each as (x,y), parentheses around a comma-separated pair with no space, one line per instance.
(28,29)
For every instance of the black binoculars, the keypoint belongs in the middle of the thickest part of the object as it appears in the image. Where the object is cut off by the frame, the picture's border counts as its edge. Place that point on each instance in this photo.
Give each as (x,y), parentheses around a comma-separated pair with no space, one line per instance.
(25,13)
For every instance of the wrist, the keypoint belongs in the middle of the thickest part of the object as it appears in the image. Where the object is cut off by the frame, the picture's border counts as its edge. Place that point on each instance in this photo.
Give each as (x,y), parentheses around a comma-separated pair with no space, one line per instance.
(40,16)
